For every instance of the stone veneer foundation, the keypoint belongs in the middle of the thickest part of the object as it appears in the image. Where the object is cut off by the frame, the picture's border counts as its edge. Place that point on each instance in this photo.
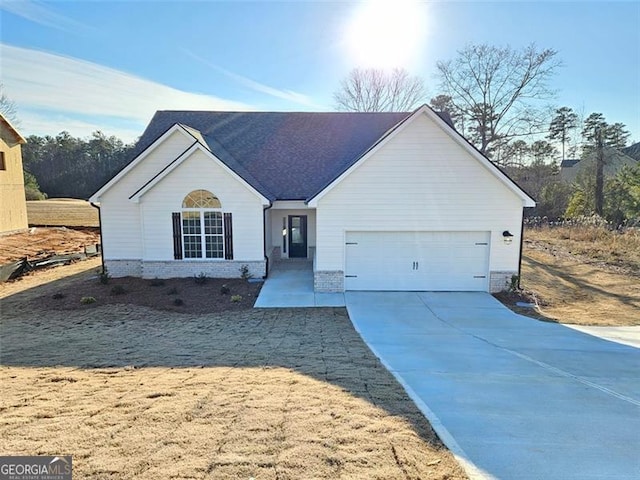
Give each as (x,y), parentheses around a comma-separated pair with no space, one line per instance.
(328,281)
(500,280)
(181,268)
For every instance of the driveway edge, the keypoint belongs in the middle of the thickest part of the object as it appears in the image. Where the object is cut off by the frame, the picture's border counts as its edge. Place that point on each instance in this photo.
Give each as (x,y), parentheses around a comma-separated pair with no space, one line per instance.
(472,471)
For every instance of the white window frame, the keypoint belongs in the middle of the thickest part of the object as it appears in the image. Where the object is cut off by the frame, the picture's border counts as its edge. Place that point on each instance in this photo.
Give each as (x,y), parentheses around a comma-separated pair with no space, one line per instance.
(203,235)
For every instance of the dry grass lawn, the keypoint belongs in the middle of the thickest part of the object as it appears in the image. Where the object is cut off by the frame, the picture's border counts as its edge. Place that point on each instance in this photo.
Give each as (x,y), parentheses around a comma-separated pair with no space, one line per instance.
(133,392)
(583,276)
(62,212)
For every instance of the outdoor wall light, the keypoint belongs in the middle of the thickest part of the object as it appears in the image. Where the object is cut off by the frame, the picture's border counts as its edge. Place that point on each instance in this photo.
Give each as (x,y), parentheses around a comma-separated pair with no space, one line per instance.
(507,236)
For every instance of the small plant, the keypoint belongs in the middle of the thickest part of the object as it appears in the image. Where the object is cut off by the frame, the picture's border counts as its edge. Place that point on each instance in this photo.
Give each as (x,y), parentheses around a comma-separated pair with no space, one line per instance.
(104,276)
(178,302)
(244,272)
(513,285)
(118,290)
(58,296)
(200,279)
(157,282)
(87,300)
(236,298)
(224,290)
(172,291)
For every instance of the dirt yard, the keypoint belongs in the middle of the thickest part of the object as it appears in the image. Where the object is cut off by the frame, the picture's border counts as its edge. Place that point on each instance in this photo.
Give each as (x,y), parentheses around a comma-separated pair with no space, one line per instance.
(136,392)
(39,242)
(59,212)
(582,278)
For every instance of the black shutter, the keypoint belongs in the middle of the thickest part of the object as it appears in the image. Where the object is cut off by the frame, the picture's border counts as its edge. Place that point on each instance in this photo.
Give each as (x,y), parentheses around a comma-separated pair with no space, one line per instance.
(228,237)
(177,236)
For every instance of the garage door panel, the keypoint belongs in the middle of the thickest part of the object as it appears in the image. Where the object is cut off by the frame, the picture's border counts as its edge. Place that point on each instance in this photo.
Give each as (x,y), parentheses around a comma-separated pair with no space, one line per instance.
(417,261)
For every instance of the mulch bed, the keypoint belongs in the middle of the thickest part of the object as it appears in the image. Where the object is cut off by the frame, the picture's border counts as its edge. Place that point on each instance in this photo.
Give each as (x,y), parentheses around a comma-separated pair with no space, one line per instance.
(511,299)
(184,295)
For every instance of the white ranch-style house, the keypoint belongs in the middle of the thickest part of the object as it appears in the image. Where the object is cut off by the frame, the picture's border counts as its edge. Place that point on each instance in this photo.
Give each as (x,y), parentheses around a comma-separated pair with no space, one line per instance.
(378,201)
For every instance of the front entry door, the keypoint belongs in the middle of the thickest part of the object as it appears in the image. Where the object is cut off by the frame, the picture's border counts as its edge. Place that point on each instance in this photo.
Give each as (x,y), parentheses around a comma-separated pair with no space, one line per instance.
(297,236)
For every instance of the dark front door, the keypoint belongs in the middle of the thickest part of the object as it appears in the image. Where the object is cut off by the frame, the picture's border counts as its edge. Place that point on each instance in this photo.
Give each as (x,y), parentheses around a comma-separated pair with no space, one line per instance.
(297,236)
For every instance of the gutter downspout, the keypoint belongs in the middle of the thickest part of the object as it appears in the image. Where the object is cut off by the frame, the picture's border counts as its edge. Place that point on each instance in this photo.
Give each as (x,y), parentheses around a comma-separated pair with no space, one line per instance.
(101,240)
(521,245)
(264,238)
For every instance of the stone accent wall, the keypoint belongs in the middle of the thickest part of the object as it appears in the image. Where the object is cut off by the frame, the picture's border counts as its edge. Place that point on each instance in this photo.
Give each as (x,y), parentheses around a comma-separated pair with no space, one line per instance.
(124,268)
(180,268)
(213,269)
(328,281)
(274,256)
(500,280)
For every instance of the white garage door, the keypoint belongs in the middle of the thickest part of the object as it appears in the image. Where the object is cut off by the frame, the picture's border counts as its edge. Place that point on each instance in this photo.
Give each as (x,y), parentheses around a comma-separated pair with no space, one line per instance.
(445,261)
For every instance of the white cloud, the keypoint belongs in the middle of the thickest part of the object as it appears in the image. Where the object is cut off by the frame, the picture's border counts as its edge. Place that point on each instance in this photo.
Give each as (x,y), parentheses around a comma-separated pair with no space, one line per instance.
(39,124)
(288,95)
(44,82)
(36,12)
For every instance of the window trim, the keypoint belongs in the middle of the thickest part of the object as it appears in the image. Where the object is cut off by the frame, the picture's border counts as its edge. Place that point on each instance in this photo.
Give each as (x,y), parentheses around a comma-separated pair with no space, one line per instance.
(202,234)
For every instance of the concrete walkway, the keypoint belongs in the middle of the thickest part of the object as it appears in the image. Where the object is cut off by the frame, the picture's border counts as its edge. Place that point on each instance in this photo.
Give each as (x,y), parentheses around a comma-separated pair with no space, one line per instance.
(290,284)
(512,397)
(624,335)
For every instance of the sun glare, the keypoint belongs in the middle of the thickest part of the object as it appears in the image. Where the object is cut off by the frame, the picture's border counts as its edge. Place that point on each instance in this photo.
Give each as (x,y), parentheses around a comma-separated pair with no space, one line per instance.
(386,33)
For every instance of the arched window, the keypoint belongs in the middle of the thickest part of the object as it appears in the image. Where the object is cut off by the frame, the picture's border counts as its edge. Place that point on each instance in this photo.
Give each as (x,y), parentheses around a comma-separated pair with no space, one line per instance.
(201,199)
(202,225)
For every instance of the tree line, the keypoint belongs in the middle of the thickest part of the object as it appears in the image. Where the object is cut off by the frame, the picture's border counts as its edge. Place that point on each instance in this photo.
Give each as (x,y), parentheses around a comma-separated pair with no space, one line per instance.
(67,166)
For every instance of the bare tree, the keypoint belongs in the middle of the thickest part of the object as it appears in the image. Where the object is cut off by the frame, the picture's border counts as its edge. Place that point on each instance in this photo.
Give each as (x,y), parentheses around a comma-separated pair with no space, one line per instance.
(496,89)
(8,107)
(376,90)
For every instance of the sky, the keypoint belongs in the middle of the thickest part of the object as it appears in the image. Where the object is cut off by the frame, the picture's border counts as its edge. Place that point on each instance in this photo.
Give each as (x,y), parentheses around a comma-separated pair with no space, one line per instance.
(82,66)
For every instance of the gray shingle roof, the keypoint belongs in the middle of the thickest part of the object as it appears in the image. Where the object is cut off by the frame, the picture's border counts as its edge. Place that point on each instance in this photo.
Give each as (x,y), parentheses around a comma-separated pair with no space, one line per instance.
(568,163)
(285,156)
(633,151)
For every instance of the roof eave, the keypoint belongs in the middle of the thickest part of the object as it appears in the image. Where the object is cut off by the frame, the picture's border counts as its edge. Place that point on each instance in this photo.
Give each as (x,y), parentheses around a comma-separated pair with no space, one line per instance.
(19,138)
(197,145)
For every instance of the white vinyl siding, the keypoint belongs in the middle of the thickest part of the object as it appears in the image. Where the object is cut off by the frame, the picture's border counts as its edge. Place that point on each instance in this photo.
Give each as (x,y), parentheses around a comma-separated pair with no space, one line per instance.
(144,230)
(201,172)
(421,180)
(121,221)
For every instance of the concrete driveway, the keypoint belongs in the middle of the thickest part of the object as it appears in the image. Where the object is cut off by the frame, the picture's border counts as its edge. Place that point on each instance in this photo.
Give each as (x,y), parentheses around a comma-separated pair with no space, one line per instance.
(512,397)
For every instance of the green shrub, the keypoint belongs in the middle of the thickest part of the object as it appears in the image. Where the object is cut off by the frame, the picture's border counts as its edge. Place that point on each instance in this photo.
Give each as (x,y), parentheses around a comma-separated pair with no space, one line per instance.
(200,279)
(224,290)
(513,283)
(87,300)
(58,296)
(244,272)
(118,290)
(236,298)
(104,276)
